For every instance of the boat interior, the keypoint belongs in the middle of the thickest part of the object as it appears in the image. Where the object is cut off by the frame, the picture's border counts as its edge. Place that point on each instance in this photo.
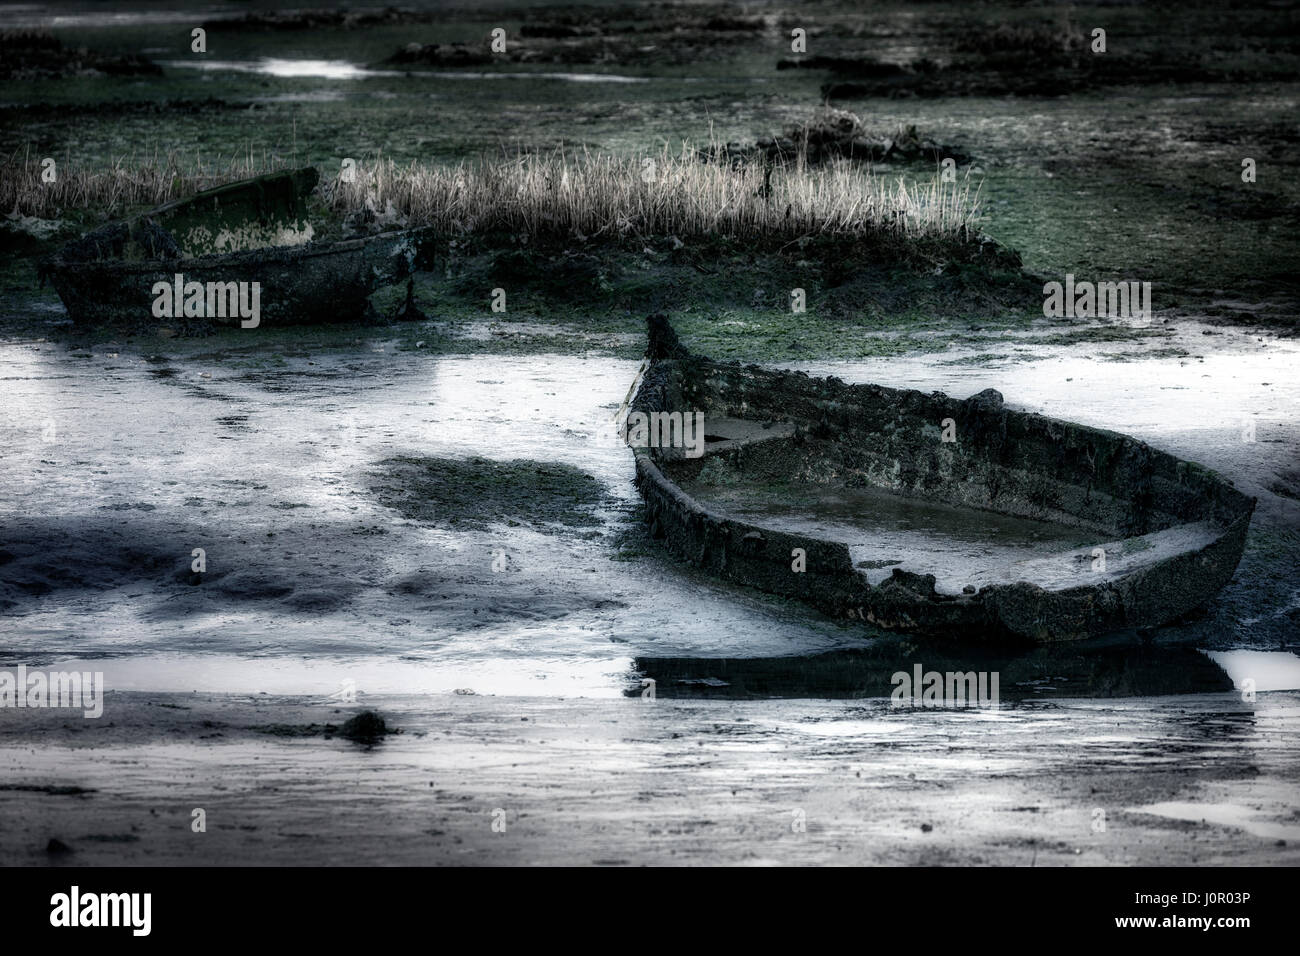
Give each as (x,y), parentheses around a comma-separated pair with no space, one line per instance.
(1014,498)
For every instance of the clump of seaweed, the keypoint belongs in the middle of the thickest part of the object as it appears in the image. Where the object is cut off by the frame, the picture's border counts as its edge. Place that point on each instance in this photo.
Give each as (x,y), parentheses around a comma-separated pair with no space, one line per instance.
(366,727)
(440,55)
(477,492)
(1022,40)
(39,55)
(831,134)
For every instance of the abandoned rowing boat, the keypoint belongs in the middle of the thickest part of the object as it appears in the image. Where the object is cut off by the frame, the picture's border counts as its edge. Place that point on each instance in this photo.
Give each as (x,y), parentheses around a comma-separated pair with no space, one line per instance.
(923,513)
(227,252)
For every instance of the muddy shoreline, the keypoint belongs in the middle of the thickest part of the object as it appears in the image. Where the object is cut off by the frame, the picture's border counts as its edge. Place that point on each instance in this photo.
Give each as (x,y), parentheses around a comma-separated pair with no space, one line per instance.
(518,691)
(637,782)
(437,513)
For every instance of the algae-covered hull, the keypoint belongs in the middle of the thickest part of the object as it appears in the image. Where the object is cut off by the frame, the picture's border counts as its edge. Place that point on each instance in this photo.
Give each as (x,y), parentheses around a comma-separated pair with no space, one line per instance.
(922,513)
(254,231)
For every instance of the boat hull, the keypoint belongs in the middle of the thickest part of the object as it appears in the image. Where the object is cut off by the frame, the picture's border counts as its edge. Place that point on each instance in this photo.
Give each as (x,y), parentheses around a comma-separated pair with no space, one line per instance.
(252,231)
(314,282)
(1178,530)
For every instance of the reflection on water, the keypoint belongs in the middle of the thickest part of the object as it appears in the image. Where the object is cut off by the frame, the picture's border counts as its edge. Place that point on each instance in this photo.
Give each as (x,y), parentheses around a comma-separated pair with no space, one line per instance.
(269,66)
(35,16)
(520,675)
(1265,670)
(343,70)
(1039,674)
(1224,815)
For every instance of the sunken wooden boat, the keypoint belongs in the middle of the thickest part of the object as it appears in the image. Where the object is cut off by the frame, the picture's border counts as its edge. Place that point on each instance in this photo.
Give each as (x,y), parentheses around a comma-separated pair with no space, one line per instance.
(255,230)
(1017,528)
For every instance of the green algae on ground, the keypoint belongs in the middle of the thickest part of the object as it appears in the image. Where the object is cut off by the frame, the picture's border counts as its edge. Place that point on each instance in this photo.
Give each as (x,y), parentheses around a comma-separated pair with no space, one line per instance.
(861,299)
(473,493)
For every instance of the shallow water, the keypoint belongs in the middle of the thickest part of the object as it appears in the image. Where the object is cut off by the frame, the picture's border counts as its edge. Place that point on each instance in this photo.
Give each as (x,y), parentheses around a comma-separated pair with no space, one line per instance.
(117,467)
(345,70)
(1250,820)
(270,472)
(885,531)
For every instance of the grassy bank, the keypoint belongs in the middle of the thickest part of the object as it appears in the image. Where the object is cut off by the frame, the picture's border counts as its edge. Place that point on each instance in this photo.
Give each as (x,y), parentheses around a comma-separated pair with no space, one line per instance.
(539,195)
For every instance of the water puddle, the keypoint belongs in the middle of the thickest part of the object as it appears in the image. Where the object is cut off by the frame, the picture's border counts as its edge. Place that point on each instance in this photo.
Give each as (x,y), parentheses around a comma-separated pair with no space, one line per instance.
(1223,815)
(345,70)
(1094,670)
(337,679)
(1264,670)
(884,531)
(269,463)
(34,16)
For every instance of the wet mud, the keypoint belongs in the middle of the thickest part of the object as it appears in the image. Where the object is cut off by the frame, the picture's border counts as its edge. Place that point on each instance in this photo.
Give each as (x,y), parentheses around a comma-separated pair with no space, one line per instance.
(343,484)
(38,55)
(476,492)
(344,497)
(1189,779)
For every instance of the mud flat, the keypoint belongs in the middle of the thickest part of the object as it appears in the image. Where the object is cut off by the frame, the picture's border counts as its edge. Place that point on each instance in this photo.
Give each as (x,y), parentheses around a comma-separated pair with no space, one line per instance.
(1201,779)
(345,483)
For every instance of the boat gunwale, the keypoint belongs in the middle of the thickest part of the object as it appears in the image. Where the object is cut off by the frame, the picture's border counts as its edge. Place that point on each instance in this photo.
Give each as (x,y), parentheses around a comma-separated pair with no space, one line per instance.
(268,254)
(650,464)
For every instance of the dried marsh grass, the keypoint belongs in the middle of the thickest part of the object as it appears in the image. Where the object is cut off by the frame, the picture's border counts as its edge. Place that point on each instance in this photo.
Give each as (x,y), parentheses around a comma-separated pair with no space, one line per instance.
(578,195)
